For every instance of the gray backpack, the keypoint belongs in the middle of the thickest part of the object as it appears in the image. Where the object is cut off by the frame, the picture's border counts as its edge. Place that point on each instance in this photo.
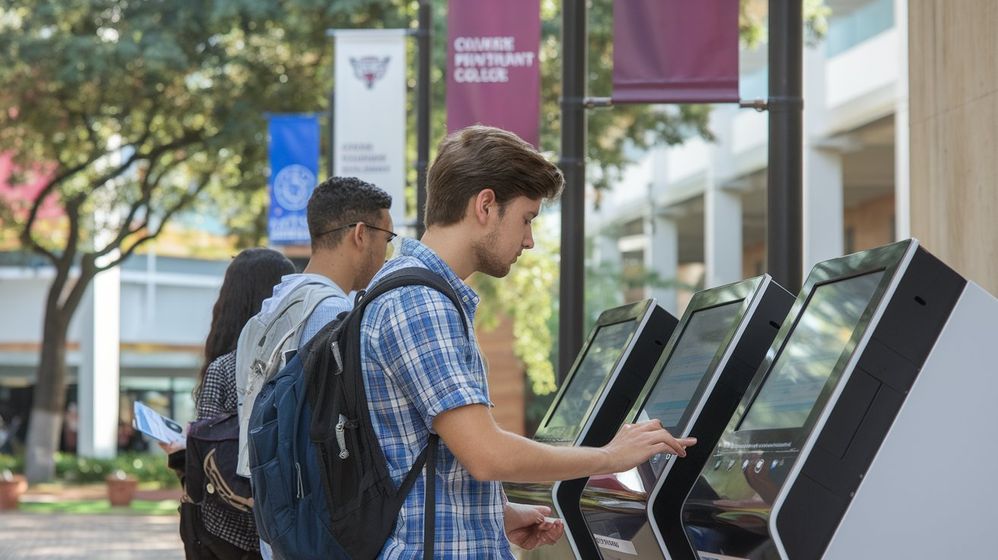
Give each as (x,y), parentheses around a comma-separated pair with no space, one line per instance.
(262,350)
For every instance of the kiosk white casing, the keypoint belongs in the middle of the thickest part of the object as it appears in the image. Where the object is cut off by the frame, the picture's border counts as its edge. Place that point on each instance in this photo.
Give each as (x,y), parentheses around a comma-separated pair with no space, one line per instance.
(894,458)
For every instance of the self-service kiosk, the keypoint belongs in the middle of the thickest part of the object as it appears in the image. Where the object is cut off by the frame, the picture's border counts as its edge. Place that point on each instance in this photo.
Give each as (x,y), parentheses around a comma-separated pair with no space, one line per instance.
(867,433)
(601,386)
(699,380)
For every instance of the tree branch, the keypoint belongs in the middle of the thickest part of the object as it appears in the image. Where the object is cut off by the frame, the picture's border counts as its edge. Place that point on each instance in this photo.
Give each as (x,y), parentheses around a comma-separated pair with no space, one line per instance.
(147,129)
(73,206)
(64,263)
(150,181)
(87,272)
(184,201)
(44,193)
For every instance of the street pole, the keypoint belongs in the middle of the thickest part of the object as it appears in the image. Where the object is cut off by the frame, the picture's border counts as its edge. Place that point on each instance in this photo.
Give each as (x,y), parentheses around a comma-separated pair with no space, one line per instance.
(573,165)
(784,192)
(331,117)
(423,39)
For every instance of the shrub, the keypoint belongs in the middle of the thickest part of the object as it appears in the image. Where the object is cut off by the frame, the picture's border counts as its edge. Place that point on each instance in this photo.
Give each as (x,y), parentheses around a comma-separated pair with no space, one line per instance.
(147,467)
(12,463)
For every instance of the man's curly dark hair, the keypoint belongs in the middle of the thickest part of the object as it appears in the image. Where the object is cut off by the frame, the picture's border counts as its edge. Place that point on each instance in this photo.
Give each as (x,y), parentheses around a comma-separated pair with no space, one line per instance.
(339,201)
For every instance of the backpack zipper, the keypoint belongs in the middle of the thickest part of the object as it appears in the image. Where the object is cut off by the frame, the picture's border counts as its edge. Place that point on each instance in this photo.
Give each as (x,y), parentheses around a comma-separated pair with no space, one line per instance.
(301,488)
(341,439)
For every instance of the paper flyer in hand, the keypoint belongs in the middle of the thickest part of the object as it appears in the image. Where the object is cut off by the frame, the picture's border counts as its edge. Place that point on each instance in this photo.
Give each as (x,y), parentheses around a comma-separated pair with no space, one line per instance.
(157,426)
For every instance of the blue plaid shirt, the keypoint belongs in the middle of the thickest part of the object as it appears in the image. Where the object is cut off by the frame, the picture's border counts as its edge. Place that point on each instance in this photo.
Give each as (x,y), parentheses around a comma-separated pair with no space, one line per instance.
(418,363)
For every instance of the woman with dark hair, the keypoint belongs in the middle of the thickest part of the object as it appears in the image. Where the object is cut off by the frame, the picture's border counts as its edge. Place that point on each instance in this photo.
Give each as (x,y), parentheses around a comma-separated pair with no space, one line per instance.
(220,532)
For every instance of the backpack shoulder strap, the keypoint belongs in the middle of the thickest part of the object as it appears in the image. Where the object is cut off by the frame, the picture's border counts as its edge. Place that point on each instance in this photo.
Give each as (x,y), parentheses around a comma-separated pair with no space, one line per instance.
(418,276)
(292,331)
(312,302)
(298,296)
(413,276)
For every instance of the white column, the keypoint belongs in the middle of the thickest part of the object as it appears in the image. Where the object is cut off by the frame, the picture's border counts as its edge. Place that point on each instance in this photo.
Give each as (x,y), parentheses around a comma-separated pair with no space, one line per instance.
(823,206)
(722,238)
(662,257)
(902,144)
(823,230)
(98,378)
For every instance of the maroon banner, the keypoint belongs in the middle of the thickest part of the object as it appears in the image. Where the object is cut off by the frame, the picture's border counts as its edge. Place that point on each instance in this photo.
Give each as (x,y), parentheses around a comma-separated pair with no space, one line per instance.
(675,51)
(493,75)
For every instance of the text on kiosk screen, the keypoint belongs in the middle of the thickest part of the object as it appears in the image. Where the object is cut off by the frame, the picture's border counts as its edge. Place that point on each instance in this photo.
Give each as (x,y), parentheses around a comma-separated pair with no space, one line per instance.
(684,370)
(594,369)
(809,356)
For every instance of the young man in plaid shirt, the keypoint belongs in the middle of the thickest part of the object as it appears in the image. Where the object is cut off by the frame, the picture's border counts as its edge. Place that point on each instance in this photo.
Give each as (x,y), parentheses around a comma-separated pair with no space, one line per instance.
(423,372)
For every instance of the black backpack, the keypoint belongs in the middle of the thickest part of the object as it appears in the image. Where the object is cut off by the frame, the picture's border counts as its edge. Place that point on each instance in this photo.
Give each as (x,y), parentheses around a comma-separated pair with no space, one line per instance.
(210,477)
(210,469)
(361,503)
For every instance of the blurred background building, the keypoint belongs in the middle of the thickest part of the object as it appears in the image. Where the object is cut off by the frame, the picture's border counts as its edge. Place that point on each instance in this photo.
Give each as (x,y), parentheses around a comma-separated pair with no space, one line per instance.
(694,215)
(681,219)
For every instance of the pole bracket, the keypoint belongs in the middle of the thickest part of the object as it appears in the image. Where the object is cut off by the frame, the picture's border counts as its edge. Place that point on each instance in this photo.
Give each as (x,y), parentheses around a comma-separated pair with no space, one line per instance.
(759,105)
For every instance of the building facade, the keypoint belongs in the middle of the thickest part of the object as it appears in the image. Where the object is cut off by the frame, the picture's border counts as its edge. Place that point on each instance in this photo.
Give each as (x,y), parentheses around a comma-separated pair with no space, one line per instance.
(695,213)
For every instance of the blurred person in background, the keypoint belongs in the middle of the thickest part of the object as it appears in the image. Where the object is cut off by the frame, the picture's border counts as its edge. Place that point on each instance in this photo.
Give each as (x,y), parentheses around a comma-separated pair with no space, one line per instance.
(249,280)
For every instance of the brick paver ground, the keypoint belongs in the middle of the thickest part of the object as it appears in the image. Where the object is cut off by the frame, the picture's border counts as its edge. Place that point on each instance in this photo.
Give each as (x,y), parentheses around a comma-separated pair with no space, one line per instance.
(90,537)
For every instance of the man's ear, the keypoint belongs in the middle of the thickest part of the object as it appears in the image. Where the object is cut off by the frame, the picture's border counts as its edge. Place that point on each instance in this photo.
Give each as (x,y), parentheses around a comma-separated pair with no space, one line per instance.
(485,204)
(357,234)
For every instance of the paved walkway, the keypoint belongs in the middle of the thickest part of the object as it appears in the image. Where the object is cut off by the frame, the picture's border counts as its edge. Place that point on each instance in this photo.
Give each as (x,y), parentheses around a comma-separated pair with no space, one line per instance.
(79,537)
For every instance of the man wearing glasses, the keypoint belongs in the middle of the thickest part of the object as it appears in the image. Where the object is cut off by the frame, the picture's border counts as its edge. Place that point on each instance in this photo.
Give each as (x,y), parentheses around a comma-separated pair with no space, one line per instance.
(351,233)
(352,236)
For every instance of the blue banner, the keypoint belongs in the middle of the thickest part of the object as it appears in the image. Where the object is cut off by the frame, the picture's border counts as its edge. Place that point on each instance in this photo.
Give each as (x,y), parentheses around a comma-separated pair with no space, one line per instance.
(293,142)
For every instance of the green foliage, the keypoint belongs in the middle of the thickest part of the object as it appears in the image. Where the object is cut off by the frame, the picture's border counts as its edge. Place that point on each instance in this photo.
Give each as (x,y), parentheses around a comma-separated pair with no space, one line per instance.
(527,295)
(137,111)
(141,107)
(141,110)
(70,468)
(12,463)
(146,467)
(752,22)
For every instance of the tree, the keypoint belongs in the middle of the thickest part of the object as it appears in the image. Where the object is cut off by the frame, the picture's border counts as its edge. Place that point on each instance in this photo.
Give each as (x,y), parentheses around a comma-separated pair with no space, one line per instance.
(134,111)
(137,111)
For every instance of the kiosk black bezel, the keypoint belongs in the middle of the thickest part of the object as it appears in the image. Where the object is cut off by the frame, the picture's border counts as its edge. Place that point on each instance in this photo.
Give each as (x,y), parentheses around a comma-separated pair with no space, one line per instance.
(886,260)
(701,301)
(743,341)
(630,312)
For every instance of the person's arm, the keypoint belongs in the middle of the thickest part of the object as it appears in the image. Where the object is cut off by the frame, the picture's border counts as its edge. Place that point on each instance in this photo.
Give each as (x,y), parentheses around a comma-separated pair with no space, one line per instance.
(490,453)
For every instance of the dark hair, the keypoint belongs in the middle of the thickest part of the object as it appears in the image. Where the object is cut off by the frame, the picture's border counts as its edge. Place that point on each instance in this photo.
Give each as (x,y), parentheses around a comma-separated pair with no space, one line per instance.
(483,157)
(339,201)
(249,279)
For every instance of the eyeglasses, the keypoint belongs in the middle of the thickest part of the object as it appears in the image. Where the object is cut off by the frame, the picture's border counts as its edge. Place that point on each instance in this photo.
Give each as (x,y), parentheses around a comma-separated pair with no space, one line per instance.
(391,235)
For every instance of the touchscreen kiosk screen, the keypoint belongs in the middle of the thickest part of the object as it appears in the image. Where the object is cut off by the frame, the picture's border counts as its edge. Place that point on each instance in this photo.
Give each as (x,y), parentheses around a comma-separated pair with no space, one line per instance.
(593,371)
(686,366)
(817,342)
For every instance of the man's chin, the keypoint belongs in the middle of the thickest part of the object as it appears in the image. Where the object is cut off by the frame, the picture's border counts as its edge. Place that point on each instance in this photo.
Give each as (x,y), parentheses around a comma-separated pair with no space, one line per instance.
(498,273)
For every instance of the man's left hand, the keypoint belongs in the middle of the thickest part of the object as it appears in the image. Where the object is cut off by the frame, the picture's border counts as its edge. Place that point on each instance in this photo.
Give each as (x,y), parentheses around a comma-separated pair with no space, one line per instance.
(528,526)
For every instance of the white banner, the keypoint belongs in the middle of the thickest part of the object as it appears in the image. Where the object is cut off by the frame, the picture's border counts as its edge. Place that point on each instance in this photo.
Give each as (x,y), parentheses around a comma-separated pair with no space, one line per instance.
(369,129)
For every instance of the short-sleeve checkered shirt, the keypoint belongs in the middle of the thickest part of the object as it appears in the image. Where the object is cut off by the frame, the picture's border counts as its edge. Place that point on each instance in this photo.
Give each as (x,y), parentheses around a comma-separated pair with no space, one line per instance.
(418,363)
